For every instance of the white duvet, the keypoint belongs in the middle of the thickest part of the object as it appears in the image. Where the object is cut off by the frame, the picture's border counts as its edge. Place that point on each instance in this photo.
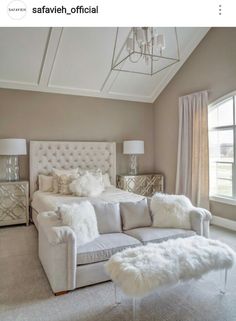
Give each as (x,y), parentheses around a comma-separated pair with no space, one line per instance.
(46,201)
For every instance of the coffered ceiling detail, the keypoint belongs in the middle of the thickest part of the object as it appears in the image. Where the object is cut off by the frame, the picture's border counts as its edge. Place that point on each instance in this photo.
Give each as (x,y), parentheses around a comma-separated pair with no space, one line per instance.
(77,61)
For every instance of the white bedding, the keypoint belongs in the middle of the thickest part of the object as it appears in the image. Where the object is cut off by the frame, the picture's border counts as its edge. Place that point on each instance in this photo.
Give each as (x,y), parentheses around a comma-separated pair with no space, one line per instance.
(46,201)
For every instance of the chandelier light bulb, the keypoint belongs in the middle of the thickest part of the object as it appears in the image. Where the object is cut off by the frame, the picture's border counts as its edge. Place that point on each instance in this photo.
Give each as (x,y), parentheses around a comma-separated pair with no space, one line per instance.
(140,36)
(160,41)
(129,45)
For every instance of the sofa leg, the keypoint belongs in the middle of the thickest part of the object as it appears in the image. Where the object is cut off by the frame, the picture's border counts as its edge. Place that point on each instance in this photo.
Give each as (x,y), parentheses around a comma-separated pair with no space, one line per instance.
(61,293)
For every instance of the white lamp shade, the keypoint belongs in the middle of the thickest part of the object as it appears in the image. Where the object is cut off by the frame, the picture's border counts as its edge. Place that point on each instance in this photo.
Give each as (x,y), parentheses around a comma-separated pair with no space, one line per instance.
(13,146)
(133,147)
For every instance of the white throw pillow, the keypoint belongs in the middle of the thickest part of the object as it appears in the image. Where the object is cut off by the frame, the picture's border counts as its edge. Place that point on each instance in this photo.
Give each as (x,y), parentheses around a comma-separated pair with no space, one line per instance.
(171,211)
(88,184)
(45,183)
(57,173)
(82,219)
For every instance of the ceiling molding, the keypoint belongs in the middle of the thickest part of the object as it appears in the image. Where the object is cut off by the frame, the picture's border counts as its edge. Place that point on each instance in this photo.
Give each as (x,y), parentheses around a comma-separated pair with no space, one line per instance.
(117,86)
(50,55)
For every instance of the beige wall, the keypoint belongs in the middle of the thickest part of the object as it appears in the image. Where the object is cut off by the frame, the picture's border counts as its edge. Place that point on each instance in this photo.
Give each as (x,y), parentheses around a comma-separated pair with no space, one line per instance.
(212,66)
(42,116)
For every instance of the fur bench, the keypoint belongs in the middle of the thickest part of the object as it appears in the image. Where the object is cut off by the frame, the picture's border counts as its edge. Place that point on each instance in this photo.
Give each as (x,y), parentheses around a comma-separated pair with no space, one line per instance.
(142,270)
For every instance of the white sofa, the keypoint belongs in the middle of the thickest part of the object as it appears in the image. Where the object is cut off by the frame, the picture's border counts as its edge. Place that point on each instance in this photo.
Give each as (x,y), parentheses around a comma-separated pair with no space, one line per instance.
(69,266)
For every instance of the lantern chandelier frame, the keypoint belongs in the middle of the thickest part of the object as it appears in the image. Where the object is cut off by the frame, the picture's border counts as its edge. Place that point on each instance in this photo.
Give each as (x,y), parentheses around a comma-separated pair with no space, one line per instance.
(144,43)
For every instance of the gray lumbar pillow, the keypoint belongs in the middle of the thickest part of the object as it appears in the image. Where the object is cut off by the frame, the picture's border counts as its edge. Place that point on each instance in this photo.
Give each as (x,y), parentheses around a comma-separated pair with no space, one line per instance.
(135,214)
(108,217)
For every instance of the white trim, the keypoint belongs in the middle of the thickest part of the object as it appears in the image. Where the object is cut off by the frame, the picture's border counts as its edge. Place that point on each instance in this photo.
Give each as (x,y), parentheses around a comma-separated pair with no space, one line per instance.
(223,200)
(224,222)
(222,98)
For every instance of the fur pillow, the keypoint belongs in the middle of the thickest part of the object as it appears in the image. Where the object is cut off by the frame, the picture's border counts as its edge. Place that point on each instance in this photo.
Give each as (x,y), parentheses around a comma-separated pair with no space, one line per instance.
(171,211)
(82,219)
(88,184)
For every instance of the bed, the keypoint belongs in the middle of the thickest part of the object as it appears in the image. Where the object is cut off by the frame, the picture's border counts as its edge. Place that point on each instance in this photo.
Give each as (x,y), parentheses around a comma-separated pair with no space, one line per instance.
(45,155)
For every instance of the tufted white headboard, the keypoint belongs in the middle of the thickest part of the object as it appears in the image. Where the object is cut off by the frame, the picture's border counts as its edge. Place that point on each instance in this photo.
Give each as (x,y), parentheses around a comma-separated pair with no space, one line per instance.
(45,155)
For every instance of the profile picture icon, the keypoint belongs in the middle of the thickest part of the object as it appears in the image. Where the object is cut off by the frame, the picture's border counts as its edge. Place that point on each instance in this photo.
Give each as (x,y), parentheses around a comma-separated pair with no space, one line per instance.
(16,9)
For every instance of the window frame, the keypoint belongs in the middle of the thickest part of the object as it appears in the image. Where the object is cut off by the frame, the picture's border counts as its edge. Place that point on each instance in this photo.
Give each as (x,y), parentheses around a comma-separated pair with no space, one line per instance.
(219,197)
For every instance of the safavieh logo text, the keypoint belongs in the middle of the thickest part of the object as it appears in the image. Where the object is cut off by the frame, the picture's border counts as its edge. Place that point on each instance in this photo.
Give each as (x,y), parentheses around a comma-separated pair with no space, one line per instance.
(16,9)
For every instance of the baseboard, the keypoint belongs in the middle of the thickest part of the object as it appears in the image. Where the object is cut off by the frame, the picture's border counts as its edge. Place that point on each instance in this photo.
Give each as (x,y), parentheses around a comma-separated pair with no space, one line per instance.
(224,222)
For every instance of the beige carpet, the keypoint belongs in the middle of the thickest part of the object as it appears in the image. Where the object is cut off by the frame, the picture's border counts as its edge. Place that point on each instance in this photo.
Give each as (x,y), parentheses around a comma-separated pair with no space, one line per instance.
(26,296)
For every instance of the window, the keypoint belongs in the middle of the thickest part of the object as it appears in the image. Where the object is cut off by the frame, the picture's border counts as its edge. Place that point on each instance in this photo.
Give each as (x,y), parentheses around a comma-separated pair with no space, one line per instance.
(222,148)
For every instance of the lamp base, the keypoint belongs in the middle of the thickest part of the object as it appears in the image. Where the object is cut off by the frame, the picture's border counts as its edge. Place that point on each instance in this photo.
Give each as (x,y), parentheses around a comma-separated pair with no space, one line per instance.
(133,165)
(12,168)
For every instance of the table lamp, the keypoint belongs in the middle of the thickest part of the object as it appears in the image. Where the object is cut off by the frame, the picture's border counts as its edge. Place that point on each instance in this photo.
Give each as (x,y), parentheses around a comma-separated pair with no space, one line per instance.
(12,147)
(133,148)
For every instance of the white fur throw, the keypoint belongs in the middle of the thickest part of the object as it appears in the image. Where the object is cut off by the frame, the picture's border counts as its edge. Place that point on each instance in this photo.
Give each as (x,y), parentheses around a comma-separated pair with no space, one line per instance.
(88,184)
(142,270)
(171,211)
(82,219)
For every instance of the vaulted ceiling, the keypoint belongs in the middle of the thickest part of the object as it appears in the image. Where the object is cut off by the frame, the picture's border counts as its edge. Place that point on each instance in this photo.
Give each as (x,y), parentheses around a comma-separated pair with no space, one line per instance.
(77,61)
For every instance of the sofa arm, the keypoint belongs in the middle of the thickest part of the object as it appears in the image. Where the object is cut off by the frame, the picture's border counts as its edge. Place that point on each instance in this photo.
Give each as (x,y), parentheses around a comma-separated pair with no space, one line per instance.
(57,252)
(200,221)
(196,219)
(207,217)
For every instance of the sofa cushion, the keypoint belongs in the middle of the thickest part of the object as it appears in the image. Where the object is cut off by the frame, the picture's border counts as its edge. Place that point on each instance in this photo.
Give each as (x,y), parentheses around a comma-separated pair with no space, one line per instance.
(157,235)
(135,214)
(103,247)
(108,217)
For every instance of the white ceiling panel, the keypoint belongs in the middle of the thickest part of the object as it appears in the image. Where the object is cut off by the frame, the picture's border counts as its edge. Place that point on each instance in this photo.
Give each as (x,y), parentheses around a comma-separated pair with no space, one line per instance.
(78,61)
(22,54)
(83,58)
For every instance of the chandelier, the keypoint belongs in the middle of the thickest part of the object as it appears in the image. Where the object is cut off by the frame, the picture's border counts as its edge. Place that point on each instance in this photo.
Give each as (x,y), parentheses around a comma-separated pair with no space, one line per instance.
(145,50)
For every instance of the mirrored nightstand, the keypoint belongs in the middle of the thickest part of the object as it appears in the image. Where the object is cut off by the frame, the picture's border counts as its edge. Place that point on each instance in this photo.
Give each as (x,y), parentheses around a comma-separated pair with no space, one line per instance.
(142,184)
(14,203)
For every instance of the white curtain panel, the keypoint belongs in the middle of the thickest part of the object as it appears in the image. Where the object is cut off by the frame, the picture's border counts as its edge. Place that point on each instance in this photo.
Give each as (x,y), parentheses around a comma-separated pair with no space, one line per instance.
(192,177)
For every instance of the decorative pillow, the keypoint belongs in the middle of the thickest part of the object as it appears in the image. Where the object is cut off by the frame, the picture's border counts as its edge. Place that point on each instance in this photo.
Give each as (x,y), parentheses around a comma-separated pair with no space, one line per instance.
(106,180)
(135,214)
(82,219)
(58,172)
(87,184)
(45,183)
(63,183)
(108,217)
(171,211)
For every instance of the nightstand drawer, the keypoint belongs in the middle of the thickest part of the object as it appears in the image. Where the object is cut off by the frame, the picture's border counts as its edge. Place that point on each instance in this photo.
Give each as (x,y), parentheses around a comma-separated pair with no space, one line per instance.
(14,207)
(12,213)
(18,190)
(143,184)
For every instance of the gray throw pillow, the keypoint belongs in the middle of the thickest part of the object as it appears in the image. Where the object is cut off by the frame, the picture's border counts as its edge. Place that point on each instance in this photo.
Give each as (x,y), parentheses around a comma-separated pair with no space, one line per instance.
(135,214)
(108,217)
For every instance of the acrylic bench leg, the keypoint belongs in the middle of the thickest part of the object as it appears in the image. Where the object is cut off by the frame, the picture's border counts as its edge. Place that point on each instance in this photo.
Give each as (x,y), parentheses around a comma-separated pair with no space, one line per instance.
(224,283)
(136,309)
(117,295)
